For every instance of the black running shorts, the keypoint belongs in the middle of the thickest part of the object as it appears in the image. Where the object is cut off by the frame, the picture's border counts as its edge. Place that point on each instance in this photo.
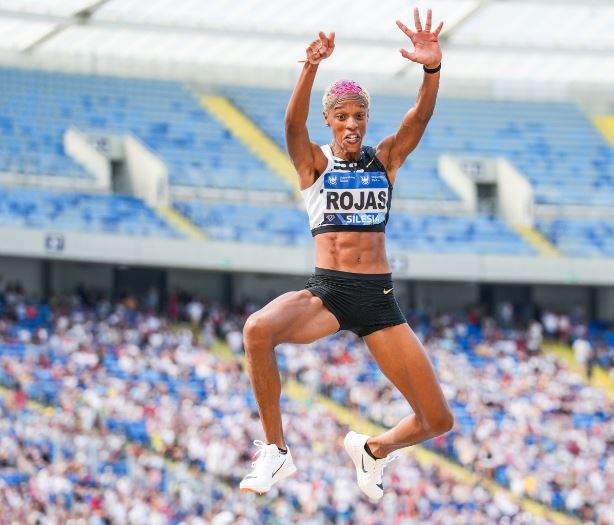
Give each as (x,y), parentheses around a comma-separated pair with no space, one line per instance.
(362,303)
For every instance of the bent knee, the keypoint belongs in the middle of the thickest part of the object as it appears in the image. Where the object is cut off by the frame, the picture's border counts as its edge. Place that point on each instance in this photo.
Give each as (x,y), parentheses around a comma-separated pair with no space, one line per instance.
(256,331)
(441,423)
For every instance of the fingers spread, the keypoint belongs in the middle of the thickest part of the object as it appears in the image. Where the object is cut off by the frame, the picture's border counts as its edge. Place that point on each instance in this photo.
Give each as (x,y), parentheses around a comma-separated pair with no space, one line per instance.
(405,29)
(417,20)
(407,54)
(429,20)
(438,29)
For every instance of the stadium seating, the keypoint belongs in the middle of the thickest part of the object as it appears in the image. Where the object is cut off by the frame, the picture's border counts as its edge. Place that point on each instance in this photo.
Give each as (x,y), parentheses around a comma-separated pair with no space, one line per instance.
(118,214)
(417,180)
(478,234)
(289,225)
(504,428)
(132,404)
(36,108)
(250,223)
(553,144)
(580,237)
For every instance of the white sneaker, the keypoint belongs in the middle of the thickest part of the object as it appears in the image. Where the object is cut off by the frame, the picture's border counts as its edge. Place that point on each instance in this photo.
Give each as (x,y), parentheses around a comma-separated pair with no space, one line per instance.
(368,470)
(270,467)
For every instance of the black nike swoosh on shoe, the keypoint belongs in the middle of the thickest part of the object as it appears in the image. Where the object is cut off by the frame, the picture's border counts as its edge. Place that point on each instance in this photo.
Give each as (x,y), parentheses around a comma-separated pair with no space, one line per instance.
(380,485)
(362,460)
(282,464)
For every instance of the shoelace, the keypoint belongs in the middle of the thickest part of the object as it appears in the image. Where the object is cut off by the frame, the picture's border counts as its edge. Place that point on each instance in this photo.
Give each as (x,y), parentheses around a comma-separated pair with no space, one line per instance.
(260,453)
(380,466)
(260,445)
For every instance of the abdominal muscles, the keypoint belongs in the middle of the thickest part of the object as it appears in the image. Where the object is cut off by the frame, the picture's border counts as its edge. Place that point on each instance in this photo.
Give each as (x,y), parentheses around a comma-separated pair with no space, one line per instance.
(357,252)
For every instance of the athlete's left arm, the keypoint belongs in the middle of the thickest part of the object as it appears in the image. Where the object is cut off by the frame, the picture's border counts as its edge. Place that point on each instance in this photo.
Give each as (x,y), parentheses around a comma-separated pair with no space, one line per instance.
(393,150)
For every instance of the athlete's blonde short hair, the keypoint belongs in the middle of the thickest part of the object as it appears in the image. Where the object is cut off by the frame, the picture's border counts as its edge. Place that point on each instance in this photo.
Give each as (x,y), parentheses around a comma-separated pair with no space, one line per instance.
(343,89)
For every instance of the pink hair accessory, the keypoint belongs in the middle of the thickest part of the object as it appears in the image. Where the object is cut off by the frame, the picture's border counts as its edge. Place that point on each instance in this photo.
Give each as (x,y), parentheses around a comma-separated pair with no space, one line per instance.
(341,87)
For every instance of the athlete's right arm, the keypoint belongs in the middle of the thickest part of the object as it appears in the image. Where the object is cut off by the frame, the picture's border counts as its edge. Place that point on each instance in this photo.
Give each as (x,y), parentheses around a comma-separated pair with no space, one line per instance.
(307,158)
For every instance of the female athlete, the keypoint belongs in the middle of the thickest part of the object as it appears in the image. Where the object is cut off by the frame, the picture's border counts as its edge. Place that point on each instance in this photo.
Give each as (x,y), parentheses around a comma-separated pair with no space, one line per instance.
(347,190)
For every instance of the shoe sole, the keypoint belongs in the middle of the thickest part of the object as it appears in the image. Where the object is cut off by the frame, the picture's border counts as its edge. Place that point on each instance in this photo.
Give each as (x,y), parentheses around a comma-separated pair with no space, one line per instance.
(254,491)
(287,473)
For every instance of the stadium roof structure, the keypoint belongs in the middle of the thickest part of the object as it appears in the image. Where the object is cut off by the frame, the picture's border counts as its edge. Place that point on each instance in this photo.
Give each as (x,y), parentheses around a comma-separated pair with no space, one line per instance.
(514,49)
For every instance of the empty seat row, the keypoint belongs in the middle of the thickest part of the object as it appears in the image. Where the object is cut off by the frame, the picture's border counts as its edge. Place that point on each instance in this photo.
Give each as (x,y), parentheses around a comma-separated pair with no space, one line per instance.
(116,214)
(554,145)
(287,225)
(37,108)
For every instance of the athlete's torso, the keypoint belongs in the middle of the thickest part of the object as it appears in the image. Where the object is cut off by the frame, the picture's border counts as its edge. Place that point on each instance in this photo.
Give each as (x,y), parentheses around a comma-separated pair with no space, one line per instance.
(349,196)
(348,208)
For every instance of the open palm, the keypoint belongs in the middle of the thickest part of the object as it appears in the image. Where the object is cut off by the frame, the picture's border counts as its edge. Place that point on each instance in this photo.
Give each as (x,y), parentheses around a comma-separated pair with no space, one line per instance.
(426,43)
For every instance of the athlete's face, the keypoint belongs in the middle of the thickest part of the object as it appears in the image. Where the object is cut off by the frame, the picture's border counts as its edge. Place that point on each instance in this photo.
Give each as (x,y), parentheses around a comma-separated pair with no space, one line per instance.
(347,120)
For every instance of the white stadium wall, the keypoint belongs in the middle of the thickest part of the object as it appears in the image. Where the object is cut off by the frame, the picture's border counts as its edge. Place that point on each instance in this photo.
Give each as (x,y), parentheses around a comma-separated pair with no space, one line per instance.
(451,172)
(283,260)
(148,174)
(515,195)
(77,146)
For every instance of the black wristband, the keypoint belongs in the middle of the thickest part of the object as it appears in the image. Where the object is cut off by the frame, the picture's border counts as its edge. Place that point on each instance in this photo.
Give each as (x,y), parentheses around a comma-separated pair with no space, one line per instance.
(434,70)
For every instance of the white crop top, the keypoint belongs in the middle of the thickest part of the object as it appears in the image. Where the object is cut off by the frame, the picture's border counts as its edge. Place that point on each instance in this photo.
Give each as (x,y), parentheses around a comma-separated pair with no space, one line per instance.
(349,195)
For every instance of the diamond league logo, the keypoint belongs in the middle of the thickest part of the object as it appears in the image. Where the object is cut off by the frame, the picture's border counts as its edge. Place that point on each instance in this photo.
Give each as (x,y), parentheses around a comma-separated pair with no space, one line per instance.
(364,179)
(333,180)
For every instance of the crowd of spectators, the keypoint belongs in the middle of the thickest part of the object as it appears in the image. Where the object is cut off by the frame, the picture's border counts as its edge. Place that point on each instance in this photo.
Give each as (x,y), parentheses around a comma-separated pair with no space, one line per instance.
(144,425)
(522,418)
(141,423)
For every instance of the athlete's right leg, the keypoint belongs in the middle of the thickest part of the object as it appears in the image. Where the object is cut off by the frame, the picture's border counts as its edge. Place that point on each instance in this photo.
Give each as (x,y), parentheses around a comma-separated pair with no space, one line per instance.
(295,317)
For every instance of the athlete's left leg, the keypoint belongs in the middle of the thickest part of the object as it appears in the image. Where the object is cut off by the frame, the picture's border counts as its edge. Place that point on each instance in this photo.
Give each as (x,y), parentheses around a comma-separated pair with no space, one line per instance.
(402,358)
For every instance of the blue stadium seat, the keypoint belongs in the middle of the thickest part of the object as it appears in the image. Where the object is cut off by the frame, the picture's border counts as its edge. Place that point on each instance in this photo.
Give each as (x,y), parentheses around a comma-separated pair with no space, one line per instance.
(580,237)
(36,108)
(553,144)
(281,225)
(118,214)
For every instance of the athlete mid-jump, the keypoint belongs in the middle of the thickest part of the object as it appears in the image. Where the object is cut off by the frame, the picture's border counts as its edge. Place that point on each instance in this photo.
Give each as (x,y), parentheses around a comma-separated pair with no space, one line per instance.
(347,189)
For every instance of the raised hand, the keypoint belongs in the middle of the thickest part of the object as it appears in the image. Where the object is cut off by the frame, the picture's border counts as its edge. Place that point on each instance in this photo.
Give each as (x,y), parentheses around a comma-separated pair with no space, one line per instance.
(426,44)
(320,48)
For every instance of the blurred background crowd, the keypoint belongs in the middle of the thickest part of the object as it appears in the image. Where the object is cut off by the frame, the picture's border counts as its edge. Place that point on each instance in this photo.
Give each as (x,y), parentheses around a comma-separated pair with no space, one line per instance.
(138,418)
